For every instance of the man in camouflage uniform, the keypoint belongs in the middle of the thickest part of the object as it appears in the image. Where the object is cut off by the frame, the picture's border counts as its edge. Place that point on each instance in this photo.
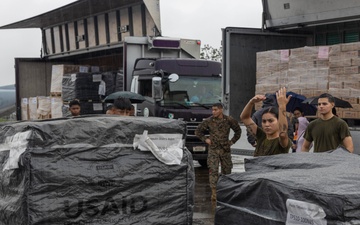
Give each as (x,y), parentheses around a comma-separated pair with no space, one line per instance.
(218,126)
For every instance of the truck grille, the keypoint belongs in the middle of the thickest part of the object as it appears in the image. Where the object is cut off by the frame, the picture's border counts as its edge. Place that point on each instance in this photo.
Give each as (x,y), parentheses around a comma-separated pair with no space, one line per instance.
(191,127)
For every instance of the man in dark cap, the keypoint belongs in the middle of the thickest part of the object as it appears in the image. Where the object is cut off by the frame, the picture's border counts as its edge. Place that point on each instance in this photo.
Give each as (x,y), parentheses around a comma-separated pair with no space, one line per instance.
(270,101)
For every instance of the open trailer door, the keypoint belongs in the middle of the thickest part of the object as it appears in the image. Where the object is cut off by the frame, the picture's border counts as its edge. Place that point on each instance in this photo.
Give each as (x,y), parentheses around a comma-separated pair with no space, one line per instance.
(240,46)
(32,78)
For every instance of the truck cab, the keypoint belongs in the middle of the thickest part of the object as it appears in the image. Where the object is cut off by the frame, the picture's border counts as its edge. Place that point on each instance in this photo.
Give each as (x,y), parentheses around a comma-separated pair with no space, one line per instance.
(182,89)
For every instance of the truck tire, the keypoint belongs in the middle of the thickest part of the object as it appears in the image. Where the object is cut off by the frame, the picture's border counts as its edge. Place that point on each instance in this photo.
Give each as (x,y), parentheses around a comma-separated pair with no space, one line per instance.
(203,162)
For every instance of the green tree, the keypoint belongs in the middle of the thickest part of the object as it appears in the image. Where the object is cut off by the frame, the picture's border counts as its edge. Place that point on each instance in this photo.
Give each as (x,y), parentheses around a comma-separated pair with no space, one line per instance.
(210,53)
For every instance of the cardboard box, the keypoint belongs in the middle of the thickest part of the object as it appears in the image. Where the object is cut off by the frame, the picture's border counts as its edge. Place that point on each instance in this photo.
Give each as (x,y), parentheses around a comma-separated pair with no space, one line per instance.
(339,92)
(351,69)
(298,65)
(320,91)
(339,63)
(56,107)
(271,88)
(356,106)
(261,74)
(355,93)
(339,78)
(336,70)
(44,107)
(350,46)
(351,84)
(339,113)
(355,61)
(24,109)
(336,84)
(307,93)
(334,50)
(33,104)
(323,85)
(319,71)
(349,114)
(321,63)
(350,54)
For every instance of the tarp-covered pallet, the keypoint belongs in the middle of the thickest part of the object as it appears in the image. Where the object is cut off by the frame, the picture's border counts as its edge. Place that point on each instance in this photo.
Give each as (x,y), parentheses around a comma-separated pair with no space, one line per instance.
(86,171)
(90,86)
(292,189)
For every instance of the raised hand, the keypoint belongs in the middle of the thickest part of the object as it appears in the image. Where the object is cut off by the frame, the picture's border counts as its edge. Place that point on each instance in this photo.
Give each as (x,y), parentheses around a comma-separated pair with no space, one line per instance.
(281,97)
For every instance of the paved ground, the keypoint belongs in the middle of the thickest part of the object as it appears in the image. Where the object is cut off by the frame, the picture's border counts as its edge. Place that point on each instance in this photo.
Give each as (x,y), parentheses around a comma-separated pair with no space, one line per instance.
(204,210)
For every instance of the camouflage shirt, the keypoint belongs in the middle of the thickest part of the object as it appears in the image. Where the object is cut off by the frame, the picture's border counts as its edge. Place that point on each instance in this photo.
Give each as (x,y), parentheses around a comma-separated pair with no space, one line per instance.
(219,130)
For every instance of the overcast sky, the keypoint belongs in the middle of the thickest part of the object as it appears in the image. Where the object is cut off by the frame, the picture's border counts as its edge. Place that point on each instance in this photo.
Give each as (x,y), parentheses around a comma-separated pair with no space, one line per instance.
(195,19)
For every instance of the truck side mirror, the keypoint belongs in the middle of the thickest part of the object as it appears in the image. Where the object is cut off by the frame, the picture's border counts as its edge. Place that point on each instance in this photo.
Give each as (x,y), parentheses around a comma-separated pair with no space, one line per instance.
(157,92)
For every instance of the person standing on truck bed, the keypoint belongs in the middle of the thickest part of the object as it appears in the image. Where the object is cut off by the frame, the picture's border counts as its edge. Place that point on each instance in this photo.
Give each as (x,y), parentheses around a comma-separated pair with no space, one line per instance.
(273,137)
(328,131)
(269,101)
(218,126)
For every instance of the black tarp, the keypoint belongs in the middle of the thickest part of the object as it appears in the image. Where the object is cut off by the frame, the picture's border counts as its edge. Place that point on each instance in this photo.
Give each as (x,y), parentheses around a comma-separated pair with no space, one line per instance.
(86,86)
(329,180)
(85,171)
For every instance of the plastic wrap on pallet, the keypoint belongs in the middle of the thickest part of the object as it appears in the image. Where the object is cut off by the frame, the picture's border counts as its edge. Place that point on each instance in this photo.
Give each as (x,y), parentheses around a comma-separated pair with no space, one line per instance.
(85,170)
(114,82)
(82,86)
(57,72)
(315,188)
(91,108)
(65,110)
(311,71)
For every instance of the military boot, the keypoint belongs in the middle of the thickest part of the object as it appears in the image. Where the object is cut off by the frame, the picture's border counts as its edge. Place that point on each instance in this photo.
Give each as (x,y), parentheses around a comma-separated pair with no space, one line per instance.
(213,194)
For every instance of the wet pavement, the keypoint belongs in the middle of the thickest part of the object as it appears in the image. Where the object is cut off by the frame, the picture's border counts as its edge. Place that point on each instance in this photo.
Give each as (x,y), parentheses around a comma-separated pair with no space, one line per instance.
(204,209)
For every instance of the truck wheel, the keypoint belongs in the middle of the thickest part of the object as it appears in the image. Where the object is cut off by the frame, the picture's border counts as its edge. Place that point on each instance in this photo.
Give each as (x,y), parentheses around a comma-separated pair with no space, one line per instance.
(203,162)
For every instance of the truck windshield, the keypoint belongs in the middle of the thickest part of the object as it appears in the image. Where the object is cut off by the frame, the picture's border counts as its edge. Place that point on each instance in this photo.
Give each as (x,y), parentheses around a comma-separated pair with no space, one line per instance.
(193,91)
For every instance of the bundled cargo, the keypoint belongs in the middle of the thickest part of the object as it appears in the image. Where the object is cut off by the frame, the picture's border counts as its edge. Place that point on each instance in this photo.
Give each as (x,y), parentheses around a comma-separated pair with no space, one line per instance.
(57,73)
(85,170)
(92,108)
(82,86)
(114,82)
(311,71)
(308,188)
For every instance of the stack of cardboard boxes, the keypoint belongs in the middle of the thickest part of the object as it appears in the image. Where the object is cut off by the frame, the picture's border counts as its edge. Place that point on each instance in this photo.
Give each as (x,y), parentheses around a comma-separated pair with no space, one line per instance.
(46,107)
(64,87)
(311,71)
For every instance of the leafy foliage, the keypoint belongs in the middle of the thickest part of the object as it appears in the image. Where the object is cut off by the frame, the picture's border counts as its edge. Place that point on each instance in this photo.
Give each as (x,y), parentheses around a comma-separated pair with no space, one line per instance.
(210,53)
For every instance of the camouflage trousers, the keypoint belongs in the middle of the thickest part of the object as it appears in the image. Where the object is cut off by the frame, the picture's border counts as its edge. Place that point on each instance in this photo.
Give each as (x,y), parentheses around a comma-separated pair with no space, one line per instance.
(218,156)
